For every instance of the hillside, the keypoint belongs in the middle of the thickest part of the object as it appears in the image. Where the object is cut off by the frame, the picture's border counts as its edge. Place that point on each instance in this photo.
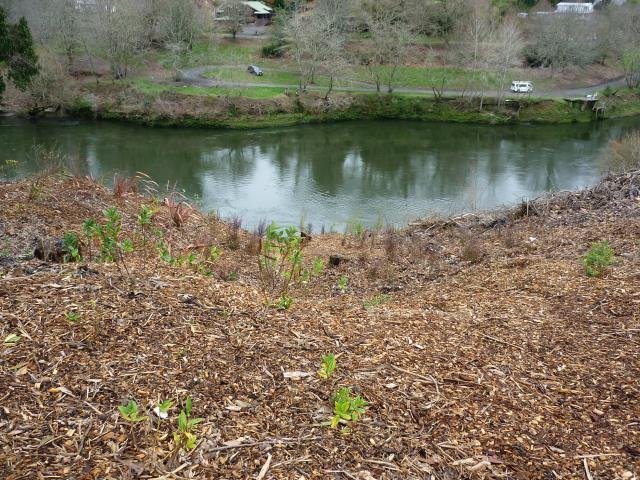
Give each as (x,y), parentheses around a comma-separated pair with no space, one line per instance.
(480,344)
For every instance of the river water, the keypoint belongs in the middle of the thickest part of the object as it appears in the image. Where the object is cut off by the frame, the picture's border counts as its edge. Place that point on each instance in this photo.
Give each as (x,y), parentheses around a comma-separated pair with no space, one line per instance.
(375,172)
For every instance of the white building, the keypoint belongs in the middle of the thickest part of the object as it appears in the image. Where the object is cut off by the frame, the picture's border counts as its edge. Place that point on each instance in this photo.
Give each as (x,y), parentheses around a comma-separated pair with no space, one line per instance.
(570,7)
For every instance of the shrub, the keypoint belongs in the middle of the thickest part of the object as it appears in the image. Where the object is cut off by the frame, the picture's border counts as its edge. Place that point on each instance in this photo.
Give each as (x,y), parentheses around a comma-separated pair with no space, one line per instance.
(184,436)
(71,247)
(233,237)
(123,185)
(280,261)
(598,258)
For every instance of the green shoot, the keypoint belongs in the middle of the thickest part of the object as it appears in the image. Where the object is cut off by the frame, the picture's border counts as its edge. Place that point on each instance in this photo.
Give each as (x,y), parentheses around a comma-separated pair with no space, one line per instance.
(11,340)
(284,302)
(598,258)
(347,407)
(184,437)
(162,409)
(72,317)
(131,413)
(343,283)
(72,248)
(214,254)
(376,301)
(328,366)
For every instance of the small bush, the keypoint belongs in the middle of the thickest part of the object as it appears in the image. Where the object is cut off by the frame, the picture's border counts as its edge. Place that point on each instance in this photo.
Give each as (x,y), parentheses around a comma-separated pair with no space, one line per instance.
(233,237)
(598,258)
(272,50)
(280,261)
(472,251)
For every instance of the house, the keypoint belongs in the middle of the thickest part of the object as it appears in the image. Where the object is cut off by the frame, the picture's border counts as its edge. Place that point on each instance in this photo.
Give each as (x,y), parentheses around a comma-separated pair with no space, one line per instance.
(571,7)
(258,12)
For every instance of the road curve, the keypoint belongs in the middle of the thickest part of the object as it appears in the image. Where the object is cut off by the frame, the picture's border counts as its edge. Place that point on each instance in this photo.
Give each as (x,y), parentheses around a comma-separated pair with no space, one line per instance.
(195,77)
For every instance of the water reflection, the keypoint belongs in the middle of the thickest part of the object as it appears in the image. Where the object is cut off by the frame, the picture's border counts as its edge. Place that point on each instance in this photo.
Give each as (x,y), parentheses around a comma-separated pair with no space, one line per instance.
(329,174)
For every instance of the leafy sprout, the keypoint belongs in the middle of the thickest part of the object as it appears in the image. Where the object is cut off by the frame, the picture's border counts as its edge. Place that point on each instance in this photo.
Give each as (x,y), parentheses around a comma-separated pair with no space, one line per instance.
(130,412)
(347,407)
(12,340)
(184,436)
(328,366)
(598,258)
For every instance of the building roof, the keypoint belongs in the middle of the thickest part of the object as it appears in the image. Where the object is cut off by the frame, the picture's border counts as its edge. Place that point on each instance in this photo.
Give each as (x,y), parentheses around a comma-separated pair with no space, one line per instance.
(259,8)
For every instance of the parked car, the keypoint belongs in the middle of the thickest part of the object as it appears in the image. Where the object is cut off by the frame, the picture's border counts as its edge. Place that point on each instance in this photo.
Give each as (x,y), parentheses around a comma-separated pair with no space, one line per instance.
(521,87)
(255,70)
(592,96)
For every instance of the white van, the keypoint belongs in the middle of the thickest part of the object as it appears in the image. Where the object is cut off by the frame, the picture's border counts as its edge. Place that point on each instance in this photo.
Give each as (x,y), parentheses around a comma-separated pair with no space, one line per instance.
(521,87)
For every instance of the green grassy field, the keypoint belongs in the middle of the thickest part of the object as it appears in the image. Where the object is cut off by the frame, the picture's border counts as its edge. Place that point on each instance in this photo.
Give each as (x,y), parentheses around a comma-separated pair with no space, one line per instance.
(152,88)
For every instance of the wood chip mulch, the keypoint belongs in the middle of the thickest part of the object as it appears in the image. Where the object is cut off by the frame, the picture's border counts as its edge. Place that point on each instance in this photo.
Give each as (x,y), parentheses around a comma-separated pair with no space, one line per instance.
(490,353)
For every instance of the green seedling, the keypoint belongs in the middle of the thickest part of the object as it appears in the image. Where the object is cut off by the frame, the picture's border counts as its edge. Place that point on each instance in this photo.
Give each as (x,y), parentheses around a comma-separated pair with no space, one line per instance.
(347,407)
(316,270)
(598,258)
(162,409)
(12,340)
(343,283)
(284,302)
(184,437)
(164,253)
(328,366)
(144,219)
(72,248)
(376,301)
(214,254)
(72,317)
(131,413)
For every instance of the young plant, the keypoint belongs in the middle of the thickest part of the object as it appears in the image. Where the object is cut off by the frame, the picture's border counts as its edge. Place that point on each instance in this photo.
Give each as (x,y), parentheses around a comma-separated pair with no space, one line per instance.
(72,317)
(11,340)
(328,366)
(284,302)
(130,412)
(598,258)
(347,407)
(376,301)
(184,437)
(214,253)
(343,283)
(162,409)
(71,247)
(112,246)
(144,219)
(280,261)
(91,231)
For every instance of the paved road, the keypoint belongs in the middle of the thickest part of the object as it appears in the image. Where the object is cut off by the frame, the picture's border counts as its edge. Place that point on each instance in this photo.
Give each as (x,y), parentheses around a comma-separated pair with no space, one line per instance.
(195,77)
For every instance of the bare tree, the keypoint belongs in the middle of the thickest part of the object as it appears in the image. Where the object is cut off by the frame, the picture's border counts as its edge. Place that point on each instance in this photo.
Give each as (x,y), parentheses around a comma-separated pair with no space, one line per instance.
(562,40)
(473,35)
(390,40)
(235,14)
(316,43)
(505,51)
(119,31)
(625,41)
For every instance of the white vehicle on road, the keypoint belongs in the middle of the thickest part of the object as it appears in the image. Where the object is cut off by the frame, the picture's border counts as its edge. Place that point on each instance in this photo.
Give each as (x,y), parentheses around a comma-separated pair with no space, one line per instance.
(521,87)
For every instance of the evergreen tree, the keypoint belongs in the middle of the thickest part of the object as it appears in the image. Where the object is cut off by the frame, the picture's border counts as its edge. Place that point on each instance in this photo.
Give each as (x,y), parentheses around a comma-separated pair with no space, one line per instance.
(18,60)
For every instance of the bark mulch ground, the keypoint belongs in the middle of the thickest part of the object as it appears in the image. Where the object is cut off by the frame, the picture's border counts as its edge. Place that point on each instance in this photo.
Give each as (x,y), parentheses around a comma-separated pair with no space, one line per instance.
(482,347)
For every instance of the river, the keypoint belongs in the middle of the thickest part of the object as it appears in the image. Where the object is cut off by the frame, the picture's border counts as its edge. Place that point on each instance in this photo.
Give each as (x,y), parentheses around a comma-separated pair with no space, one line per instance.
(374,172)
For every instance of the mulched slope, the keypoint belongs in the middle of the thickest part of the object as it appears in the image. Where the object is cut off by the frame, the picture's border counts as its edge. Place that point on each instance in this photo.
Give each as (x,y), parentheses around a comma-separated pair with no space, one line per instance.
(512,365)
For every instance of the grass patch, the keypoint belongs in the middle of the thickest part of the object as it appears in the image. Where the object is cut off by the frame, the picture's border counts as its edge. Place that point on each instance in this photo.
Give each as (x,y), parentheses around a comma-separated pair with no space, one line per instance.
(151,88)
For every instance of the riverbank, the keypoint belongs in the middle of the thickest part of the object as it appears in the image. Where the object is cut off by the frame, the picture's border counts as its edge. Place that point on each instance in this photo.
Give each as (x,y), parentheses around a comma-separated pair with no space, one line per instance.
(169,108)
(155,104)
(480,344)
